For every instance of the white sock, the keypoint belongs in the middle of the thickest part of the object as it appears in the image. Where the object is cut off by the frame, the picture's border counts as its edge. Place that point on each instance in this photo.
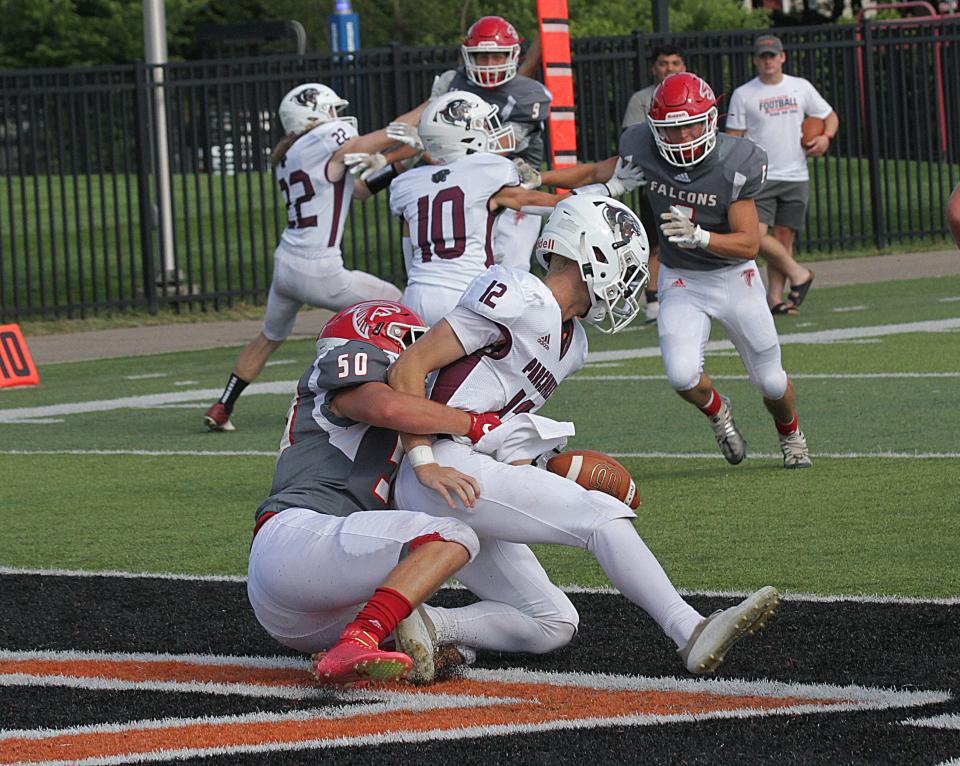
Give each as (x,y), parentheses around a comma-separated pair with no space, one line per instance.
(637,574)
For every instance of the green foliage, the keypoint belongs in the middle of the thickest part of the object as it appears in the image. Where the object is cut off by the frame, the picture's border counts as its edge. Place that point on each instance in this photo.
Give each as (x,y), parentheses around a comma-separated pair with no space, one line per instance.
(58,33)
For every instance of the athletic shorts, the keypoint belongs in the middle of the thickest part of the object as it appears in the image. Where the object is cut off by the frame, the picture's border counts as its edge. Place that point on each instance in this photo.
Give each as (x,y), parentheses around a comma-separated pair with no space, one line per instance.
(784,203)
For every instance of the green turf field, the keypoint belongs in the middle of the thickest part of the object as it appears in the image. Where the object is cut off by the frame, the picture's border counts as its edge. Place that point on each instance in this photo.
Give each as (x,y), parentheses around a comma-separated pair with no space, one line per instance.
(137,484)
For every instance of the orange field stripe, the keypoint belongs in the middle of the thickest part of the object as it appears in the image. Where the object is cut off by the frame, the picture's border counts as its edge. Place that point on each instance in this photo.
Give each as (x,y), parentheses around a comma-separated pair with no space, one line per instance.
(541,703)
(171,671)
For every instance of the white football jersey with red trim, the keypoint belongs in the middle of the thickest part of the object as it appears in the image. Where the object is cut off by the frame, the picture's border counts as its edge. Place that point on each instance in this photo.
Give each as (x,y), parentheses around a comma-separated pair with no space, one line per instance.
(518,349)
(316,207)
(451,226)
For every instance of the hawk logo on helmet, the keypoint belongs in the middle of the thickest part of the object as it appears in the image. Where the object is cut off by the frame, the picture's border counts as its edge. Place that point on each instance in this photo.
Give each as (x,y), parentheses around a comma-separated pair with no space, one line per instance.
(706,91)
(622,222)
(456,112)
(307,97)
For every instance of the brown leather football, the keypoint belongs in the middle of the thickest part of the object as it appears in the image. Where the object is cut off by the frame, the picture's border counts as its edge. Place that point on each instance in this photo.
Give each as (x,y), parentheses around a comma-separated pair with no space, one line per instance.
(595,470)
(811,128)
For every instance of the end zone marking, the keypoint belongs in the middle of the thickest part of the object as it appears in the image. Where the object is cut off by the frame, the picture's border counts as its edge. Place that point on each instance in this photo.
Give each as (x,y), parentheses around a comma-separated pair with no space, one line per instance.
(483,702)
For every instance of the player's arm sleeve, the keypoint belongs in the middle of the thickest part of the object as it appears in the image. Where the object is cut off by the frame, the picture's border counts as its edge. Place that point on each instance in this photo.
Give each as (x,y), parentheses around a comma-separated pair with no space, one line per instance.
(751,173)
(398,199)
(737,116)
(630,142)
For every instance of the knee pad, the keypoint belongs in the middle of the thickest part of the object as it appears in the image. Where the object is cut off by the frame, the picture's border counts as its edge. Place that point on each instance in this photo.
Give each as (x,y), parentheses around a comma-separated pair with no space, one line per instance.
(682,373)
(771,380)
(453,531)
(557,629)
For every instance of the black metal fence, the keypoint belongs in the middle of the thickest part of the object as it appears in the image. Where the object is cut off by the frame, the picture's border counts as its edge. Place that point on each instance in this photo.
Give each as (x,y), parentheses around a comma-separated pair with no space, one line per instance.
(79,224)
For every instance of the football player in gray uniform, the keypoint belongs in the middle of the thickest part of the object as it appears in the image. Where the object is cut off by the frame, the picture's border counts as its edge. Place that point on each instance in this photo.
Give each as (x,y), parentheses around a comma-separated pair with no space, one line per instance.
(508,344)
(331,568)
(702,186)
(491,56)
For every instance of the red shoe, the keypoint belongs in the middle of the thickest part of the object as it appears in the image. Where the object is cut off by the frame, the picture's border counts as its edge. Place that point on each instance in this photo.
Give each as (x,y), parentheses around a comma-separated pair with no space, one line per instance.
(356,661)
(218,418)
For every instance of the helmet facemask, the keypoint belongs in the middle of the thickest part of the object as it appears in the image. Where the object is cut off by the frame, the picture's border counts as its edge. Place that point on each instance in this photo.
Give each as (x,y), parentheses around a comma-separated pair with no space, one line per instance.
(688,153)
(491,75)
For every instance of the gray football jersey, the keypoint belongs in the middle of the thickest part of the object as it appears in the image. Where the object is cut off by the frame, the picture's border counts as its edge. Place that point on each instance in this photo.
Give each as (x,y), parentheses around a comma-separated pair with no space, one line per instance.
(736,169)
(521,101)
(329,463)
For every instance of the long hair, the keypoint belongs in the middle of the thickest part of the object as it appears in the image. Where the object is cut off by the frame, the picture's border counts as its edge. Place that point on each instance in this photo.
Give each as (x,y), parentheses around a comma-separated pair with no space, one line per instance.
(284,144)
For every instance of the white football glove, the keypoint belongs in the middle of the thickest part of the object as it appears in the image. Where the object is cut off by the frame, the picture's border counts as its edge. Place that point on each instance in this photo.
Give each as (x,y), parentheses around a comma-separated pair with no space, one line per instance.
(683,232)
(405,134)
(529,175)
(626,177)
(363,164)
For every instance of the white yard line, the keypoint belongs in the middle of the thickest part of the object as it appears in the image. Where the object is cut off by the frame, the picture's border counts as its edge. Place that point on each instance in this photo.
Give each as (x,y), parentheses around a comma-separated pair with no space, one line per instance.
(810,597)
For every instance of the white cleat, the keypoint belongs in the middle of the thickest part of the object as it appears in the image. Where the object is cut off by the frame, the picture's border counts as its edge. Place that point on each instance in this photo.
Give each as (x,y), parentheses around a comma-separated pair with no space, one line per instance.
(417,638)
(796,454)
(731,441)
(714,636)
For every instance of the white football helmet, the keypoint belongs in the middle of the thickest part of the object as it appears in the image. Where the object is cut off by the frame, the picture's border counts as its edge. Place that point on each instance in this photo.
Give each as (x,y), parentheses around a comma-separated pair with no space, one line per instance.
(608,242)
(308,105)
(459,123)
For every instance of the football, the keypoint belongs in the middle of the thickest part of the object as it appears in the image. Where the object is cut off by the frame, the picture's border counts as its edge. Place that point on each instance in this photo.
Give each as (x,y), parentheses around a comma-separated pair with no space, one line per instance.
(594,470)
(811,128)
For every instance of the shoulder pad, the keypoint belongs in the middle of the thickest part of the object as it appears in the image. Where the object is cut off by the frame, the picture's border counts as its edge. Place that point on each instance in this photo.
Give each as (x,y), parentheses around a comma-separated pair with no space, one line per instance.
(637,141)
(351,364)
(501,294)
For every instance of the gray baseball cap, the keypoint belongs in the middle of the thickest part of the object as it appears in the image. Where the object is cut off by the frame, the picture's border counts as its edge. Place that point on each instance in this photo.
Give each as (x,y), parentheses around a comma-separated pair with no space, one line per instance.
(767,44)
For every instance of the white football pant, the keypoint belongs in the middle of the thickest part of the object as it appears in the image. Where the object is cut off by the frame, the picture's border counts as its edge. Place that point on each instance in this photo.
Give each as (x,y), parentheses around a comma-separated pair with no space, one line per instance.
(736,298)
(519,505)
(322,282)
(310,573)
(430,302)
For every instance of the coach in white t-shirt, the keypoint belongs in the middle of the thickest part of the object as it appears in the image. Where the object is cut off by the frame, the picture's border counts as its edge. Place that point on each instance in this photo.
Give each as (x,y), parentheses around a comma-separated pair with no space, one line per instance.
(770,110)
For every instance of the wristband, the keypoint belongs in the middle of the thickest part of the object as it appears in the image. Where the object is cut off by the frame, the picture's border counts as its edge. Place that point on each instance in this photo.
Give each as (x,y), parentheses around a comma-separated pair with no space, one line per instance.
(381,179)
(422,455)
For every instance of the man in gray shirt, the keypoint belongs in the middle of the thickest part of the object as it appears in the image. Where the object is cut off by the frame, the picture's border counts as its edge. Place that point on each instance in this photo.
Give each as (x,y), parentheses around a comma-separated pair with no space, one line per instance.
(665,60)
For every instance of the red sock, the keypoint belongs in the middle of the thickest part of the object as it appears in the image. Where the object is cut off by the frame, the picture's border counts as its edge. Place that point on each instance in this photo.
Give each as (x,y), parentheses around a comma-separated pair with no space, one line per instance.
(381,614)
(712,407)
(787,428)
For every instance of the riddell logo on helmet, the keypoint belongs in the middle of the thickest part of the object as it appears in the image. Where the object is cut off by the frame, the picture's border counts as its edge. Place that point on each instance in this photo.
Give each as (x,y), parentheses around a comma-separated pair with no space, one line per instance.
(545,244)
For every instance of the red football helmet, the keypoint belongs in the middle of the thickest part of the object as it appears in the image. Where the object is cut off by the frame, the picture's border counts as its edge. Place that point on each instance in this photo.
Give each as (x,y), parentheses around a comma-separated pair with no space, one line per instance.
(491,34)
(684,99)
(386,324)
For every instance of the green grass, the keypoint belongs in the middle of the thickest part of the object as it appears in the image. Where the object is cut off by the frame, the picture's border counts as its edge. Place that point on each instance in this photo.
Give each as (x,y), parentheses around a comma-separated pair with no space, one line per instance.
(885,525)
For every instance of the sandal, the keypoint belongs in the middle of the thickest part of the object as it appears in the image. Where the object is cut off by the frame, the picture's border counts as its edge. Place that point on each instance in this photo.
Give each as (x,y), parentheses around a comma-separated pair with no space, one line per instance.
(798,293)
(789,309)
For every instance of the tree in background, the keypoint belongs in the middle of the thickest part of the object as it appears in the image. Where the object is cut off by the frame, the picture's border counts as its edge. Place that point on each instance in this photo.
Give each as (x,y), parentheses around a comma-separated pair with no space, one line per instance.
(57,33)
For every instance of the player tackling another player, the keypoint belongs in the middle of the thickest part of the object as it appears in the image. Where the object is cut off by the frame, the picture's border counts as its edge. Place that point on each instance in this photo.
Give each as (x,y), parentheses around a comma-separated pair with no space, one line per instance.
(507,345)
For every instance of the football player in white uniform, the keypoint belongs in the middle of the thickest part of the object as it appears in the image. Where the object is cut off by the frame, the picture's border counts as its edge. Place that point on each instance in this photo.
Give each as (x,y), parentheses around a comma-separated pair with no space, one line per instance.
(307,263)
(449,209)
(506,346)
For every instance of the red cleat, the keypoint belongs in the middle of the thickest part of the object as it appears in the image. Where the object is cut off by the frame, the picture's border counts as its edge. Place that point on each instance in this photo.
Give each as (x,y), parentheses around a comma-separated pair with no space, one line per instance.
(218,418)
(356,661)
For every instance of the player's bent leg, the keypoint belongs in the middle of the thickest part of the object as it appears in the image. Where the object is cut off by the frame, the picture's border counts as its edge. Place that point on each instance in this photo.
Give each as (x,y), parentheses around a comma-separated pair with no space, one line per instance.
(520,610)
(341,562)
